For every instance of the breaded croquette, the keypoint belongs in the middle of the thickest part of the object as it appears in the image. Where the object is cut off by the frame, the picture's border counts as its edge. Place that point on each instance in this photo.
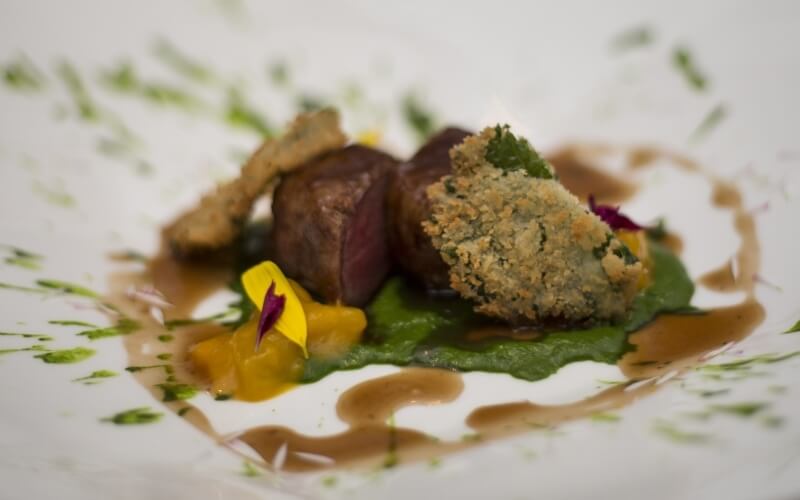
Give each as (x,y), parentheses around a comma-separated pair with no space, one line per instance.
(519,245)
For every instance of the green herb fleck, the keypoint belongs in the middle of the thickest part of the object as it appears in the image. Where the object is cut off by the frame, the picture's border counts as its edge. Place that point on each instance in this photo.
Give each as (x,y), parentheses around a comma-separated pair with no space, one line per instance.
(435,463)
(713,393)
(329,481)
(250,470)
(279,73)
(81,99)
(38,336)
(507,152)
(66,356)
(177,392)
(165,338)
(772,421)
(740,409)
(134,369)
(183,411)
(135,416)
(418,117)
(747,363)
(18,288)
(67,288)
(472,437)
(124,326)
(37,348)
(605,417)
(776,389)
(684,62)
(22,74)
(68,322)
(794,328)
(177,323)
(23,258)
(667,430)
(710,121)
(166,356)
(633,38)
(181,63)
(96,376)
(240,114)
(54,195)
(222,397)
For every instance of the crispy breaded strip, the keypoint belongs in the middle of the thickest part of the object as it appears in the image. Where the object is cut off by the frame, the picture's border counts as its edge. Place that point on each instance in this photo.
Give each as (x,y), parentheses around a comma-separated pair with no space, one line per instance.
(217,220)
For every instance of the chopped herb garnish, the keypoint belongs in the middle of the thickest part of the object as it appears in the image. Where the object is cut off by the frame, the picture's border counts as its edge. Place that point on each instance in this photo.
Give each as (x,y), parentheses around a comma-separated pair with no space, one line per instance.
(181,63)
(83,102)
(166,356)
(740,409)
(19,288)
(54,195)
(747,363)
(605,417)
(124,326)
(279,73)
(507,152)
(67,288)
(250,470)
(67,322)
(165,338)
(418,117)
(677,435)
(183,411)
(684,62)
(794,328)
(95,376)
(240,114)
(134,369)
(136,416)
(177,392)
(21,74)
(633,38)
(177,323)
(66,356)
(38,336)
(329,481)
(38,348)
(711,120)
(222,397)
(23,258)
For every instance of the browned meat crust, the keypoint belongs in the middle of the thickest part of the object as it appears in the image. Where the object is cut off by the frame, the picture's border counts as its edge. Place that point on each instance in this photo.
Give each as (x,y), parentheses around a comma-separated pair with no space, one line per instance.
(329,230)
(217,220)
(408,207)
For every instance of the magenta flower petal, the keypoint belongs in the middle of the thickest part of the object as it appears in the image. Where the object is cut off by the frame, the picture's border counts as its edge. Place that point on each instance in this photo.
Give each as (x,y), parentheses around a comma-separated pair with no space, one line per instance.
(270,312)
(612,216)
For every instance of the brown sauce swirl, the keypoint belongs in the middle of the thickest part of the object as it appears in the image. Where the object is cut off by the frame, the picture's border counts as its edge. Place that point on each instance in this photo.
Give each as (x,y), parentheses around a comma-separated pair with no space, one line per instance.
(668,343)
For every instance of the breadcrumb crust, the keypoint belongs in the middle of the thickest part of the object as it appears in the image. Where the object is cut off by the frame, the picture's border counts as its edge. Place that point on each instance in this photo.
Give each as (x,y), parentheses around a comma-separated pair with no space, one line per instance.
(524,249)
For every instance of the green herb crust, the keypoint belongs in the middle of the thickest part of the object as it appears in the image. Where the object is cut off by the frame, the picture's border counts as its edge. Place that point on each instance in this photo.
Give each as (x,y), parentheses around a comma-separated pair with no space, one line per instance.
(408,328)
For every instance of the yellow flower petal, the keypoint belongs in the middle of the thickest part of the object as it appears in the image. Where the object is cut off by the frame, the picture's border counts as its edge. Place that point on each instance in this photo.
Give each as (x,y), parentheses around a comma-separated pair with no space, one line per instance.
(292,322)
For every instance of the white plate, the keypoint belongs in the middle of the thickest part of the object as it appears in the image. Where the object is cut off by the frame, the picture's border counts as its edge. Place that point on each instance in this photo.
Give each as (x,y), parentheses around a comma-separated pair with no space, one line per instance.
(549,70)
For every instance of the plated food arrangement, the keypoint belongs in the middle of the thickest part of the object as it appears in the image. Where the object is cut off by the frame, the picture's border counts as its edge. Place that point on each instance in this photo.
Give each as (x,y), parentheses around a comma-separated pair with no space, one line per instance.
(476,254)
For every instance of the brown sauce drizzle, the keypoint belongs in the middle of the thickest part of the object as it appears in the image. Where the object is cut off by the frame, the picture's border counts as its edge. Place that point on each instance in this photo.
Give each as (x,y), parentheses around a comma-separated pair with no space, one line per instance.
(366,408)
(582,178)
(670,343)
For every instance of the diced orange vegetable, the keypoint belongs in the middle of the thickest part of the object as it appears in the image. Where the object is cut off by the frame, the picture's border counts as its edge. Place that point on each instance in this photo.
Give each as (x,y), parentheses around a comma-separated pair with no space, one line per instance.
(234,367)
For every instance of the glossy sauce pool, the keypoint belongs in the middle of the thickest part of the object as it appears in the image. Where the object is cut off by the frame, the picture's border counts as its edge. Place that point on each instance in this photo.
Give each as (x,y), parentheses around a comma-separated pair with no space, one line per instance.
(667,345)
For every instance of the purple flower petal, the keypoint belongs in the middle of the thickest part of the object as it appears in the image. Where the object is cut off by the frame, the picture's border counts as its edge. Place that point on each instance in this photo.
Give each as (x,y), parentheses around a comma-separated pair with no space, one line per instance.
(612,216)
(271,310)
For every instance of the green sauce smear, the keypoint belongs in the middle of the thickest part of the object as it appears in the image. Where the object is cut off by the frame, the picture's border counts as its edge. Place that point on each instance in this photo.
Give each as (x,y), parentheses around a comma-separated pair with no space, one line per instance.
(408,328)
